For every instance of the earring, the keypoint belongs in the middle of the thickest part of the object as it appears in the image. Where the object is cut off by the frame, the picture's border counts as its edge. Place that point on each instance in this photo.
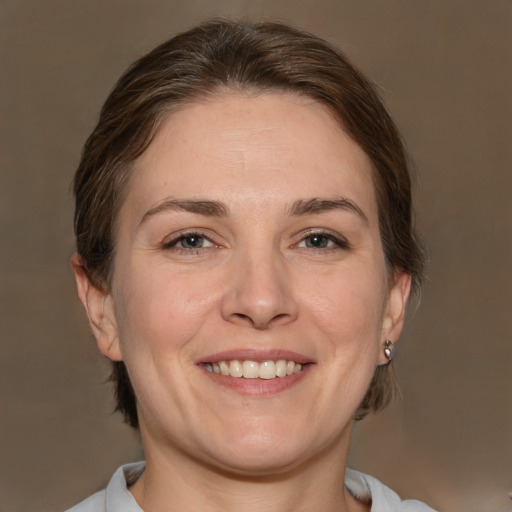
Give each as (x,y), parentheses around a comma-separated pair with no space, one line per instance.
(388,351)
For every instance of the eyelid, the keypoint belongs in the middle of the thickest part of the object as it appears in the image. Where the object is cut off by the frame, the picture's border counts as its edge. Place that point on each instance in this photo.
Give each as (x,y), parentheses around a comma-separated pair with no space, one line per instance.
(172,240)
(335,237)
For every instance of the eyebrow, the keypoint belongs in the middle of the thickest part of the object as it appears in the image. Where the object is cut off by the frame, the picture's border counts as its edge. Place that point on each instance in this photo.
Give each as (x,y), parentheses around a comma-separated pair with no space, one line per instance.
(198,206)
(218,209)
(317,205)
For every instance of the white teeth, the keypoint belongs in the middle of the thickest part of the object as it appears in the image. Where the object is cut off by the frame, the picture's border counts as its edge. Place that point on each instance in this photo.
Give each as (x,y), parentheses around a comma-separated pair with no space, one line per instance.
(250,370)
(253,370)
(268,370)
(281,368)
(224,368)
(235,369)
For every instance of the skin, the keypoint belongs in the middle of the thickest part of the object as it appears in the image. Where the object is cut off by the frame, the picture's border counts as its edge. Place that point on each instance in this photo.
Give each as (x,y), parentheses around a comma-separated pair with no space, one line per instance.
(271,275)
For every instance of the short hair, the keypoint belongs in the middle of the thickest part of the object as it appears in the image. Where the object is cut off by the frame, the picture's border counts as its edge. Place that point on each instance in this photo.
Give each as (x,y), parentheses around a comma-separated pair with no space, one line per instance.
(221,55)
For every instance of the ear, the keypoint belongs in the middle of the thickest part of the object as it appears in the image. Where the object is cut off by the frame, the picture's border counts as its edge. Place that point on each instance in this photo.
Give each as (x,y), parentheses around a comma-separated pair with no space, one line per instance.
(99,306)
(393,321)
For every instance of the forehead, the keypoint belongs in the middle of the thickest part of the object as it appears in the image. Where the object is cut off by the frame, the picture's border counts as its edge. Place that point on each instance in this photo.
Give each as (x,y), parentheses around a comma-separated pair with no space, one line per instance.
(268,146)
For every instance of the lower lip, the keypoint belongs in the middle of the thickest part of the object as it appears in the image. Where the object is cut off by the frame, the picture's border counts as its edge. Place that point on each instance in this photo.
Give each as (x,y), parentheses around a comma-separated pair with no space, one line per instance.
(259,387)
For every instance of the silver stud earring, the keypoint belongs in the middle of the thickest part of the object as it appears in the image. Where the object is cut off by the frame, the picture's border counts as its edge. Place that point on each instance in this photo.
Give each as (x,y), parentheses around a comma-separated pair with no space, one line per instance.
(388,351)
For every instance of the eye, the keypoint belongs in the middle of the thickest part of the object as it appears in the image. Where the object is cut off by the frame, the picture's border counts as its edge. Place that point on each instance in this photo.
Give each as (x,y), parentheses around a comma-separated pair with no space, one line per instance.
(322,241)
(189,241)
(193,242)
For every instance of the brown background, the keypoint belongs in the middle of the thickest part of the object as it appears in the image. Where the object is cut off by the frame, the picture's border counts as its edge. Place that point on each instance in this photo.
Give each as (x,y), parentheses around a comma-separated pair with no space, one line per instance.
(444,69)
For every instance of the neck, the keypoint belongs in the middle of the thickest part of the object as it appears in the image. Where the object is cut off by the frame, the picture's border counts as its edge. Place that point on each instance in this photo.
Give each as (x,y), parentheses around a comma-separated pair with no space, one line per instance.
(173,481)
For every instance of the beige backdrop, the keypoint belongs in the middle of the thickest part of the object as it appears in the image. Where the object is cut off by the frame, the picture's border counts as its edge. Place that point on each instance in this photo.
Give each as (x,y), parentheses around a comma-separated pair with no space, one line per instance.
(444,69)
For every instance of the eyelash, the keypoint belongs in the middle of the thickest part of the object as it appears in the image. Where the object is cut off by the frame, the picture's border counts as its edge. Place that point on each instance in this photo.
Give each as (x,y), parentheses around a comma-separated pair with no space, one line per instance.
(325,236)
(173,243)
(338,241)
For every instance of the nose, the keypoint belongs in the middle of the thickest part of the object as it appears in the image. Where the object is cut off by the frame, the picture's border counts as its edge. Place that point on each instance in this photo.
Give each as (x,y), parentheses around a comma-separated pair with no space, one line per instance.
(259,293)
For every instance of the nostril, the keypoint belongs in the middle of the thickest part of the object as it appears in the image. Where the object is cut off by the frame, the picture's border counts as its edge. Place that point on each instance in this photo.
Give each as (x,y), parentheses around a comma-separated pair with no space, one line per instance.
(258,302)
(259,323)
(243,319)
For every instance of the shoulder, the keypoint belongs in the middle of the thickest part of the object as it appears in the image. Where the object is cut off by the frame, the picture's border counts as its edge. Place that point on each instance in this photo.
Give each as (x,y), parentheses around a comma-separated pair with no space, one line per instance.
(116,497)
(366,487)
(95,503)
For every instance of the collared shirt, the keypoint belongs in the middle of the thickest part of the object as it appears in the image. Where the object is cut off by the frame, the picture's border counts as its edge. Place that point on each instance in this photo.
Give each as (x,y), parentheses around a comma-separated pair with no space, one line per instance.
(117,498)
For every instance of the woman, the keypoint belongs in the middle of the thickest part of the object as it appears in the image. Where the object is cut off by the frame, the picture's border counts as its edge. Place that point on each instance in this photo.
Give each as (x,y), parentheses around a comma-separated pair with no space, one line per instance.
(245,253)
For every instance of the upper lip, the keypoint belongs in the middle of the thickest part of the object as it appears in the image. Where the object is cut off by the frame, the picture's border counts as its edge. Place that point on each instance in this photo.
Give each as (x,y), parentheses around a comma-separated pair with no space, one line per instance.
(255,355)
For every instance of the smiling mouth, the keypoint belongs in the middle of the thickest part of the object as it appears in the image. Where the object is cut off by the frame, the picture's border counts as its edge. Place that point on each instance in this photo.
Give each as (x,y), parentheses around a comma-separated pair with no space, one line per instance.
(248,369)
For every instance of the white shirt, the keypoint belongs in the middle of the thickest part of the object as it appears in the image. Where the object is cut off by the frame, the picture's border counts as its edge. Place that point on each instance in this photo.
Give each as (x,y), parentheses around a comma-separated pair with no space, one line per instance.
(117,498)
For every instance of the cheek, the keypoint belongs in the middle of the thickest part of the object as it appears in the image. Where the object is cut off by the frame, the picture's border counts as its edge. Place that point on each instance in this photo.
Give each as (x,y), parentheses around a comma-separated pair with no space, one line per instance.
(349,308)
(158,310)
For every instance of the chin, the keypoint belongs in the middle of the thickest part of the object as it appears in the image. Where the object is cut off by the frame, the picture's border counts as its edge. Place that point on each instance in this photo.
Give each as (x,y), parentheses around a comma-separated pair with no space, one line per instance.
(262,463)
(267,452)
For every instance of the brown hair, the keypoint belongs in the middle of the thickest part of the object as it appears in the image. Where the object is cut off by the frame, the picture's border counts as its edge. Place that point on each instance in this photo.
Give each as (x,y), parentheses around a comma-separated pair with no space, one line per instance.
(220,55)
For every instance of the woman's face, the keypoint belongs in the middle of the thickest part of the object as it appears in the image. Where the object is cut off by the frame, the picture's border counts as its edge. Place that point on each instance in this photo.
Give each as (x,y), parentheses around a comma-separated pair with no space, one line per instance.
(250,232)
